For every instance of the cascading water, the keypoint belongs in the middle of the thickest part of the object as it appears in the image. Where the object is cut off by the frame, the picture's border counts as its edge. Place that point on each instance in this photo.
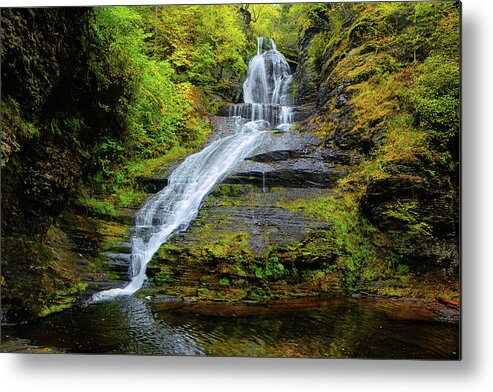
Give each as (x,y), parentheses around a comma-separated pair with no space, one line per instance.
(266,88)
(268,78)
(266,94)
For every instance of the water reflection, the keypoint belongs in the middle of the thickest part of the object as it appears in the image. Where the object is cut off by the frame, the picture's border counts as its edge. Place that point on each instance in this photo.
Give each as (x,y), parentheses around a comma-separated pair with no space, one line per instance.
(338,328)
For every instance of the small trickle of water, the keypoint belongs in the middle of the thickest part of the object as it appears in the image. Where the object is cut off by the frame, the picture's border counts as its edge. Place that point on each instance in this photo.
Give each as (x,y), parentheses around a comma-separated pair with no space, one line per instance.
(173,208)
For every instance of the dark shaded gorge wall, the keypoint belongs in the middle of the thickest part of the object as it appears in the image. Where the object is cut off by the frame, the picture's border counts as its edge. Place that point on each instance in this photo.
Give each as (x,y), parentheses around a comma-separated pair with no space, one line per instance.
(53,93)
(56,92)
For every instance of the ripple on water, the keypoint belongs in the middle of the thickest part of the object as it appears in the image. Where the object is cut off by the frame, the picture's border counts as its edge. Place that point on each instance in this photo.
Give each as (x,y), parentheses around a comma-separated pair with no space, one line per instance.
(338,328)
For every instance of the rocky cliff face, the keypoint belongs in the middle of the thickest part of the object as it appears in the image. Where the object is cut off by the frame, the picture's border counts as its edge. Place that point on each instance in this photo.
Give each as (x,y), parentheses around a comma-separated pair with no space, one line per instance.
(362,85)
(362,196)
(245,244)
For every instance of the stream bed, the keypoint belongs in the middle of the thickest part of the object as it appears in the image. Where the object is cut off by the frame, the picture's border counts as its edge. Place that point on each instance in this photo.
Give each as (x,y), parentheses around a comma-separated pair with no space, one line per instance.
(331,328)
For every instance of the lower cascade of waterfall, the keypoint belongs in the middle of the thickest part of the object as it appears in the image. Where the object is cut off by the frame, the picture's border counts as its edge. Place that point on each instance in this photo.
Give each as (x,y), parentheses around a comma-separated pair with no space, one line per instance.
(174,207)
(266,94)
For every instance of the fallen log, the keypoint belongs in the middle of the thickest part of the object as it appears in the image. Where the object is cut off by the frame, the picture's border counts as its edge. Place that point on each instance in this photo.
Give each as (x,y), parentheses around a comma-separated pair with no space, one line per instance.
(448,302)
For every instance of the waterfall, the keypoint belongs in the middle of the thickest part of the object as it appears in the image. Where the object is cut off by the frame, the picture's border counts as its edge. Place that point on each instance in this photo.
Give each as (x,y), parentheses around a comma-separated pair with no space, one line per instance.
(265,91)
(267,87)
(268,78)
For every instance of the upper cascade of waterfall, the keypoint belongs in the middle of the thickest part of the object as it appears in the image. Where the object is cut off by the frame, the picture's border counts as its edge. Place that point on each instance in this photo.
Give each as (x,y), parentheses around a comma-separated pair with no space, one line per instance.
(269,76)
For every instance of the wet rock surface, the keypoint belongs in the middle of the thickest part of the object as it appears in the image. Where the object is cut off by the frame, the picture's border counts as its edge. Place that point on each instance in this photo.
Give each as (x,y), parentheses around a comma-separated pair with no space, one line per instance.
(155,184)
(434,202)
(256,213)
(285,166)
(103,256)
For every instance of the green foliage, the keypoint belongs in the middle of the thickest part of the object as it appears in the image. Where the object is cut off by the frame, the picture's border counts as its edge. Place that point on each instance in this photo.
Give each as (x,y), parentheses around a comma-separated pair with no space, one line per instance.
(162,279)
(147,168)
(15,129)
(349,243)
(402,269)
(202,62)
(398,67)
(279,22)
(167,61)
(436,96)
(229,245)
(204,44)
(38,278)
(404,141)
(97,206)
(164,84)
(272,270)
(129,197)
(428,27)
(406,212)
(64,299)
(153,112)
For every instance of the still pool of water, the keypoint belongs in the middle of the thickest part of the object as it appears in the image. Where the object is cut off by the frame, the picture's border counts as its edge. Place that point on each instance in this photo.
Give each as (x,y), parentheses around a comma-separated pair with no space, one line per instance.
(335,328)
